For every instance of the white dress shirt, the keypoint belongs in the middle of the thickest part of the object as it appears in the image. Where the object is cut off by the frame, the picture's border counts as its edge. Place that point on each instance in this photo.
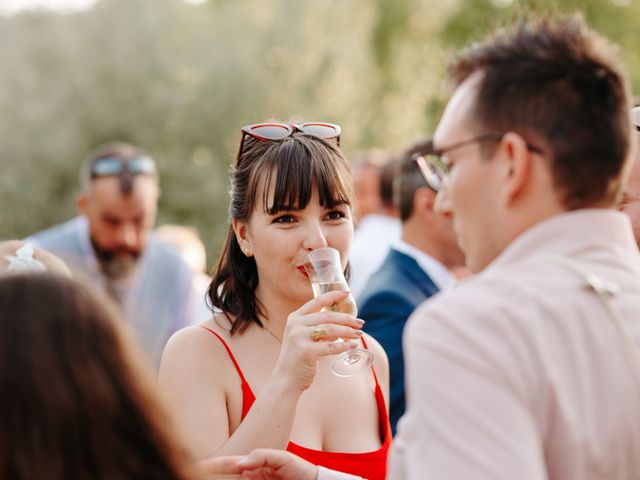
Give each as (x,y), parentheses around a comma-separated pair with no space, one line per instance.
(437,272)
(371,242)
(157,300)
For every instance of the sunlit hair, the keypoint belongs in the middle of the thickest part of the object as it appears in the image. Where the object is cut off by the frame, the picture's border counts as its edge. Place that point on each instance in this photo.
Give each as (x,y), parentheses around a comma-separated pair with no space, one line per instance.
(77,400)
(560,85)
(275,176)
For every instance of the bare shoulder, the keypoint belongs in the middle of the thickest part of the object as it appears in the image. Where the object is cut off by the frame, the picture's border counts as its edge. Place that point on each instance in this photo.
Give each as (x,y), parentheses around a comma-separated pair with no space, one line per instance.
(380,360)
(194,348)
(198,378)
(189,341)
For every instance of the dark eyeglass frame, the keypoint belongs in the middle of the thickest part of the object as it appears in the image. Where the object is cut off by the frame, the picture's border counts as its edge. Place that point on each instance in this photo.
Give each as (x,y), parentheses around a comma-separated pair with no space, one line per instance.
(115,166)
(275,131)
(434,166)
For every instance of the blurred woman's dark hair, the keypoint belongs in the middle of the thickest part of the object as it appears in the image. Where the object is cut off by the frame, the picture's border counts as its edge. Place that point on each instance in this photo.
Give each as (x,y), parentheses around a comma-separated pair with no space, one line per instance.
(277,176)
(77,399)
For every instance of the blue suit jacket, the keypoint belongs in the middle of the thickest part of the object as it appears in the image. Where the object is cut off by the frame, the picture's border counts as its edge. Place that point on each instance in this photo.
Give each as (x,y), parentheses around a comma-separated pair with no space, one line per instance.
(387,301)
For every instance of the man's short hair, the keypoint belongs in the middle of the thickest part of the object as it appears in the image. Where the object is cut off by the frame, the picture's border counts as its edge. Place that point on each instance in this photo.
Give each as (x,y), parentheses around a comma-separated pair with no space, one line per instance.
(560,85)
(131,160)
(408,179)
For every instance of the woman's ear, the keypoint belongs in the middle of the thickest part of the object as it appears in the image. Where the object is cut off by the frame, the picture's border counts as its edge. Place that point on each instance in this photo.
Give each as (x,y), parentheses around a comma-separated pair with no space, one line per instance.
(240,231)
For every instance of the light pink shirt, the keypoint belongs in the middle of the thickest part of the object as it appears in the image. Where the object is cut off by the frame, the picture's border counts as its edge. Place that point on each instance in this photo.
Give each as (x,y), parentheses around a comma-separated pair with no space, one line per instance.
(520,372)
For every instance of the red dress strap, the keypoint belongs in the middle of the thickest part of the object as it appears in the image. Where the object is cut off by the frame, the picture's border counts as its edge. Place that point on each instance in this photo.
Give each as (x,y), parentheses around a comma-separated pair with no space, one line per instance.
(375,377)
(247,394)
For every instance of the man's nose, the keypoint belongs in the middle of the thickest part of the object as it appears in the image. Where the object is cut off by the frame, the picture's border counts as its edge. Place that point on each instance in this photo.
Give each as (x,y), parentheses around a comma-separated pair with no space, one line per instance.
(315,237)
(128,236)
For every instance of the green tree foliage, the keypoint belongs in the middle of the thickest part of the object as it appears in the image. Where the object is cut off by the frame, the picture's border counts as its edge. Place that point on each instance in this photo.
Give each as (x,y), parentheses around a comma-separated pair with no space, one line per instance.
(619,20)
(181,80)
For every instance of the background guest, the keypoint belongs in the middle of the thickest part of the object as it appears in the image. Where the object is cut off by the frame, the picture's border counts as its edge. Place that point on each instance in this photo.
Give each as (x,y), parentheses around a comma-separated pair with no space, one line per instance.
(188,243)
(111,244)
(378,224)
(416,267)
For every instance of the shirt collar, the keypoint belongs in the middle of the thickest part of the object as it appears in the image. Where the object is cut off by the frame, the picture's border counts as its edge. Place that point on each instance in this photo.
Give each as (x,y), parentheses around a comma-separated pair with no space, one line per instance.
(568,232)
(436,271)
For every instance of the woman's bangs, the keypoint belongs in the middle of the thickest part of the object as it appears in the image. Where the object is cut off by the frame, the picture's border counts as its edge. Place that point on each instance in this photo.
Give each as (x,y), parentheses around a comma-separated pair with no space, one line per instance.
(293,176)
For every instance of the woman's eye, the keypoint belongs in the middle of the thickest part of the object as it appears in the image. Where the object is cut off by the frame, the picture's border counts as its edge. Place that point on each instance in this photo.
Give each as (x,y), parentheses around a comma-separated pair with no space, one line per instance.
(336,215)
(284,219)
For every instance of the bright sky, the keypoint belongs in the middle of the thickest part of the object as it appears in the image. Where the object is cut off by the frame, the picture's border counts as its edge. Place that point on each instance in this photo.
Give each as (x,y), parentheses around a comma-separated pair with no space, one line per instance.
(66,6)
(8,7)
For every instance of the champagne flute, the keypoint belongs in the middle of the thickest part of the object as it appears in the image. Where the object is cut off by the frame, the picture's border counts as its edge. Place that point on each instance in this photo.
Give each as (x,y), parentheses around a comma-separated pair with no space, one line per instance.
(326,275)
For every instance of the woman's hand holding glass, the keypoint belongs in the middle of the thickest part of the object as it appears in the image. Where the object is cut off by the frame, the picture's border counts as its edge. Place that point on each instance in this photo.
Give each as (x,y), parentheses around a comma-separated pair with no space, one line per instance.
(310,335)
(326,273)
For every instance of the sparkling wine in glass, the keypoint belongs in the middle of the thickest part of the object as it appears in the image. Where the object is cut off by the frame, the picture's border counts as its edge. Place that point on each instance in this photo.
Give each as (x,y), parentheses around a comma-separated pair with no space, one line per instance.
(326,275)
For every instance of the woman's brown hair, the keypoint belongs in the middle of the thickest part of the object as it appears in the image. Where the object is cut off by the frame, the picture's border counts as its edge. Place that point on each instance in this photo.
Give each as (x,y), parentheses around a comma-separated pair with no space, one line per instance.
(280,176)
(77,400)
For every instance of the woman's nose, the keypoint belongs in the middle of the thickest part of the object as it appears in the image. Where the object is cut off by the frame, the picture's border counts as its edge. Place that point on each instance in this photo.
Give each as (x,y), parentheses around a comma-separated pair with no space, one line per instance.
(315,237)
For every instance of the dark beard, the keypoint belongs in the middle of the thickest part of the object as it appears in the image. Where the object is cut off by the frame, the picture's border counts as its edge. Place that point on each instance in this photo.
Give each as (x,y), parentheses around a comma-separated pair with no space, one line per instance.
(115,264)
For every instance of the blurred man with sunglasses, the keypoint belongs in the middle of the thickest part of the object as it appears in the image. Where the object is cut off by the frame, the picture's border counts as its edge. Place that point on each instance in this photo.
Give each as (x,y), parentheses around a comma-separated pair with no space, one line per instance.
(111,244)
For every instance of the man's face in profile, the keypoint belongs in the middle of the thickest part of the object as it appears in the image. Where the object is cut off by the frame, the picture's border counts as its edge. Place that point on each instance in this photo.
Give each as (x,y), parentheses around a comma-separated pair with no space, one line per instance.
(119,223)
(470,194)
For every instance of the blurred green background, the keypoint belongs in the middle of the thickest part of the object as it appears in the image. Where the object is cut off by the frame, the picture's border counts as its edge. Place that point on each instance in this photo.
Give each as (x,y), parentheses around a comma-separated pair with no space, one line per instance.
(180,80)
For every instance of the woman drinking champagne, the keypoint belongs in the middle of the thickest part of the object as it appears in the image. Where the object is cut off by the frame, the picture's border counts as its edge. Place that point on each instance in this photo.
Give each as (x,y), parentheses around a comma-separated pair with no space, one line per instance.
(258,374)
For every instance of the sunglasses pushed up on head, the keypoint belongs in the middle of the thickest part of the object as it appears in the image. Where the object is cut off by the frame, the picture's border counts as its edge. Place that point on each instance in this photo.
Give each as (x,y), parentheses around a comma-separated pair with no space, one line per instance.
(274,131)
(114,166)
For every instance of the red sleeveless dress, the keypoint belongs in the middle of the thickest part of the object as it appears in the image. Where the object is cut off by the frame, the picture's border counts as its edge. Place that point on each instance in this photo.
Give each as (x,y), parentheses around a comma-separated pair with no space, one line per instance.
(369,465)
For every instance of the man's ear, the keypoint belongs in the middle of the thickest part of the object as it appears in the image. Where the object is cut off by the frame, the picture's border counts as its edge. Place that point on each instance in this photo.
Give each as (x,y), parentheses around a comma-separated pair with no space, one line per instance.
(82,203)
(423,200)
(517,172)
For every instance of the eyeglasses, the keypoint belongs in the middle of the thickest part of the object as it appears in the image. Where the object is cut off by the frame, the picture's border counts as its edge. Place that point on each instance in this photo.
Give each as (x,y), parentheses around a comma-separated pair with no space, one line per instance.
(434,164)
(272,132)
(116,166)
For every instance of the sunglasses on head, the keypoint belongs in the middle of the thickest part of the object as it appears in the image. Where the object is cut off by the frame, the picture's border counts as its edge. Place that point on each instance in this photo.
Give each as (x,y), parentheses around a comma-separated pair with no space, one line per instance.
(273,132)
(116,166)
